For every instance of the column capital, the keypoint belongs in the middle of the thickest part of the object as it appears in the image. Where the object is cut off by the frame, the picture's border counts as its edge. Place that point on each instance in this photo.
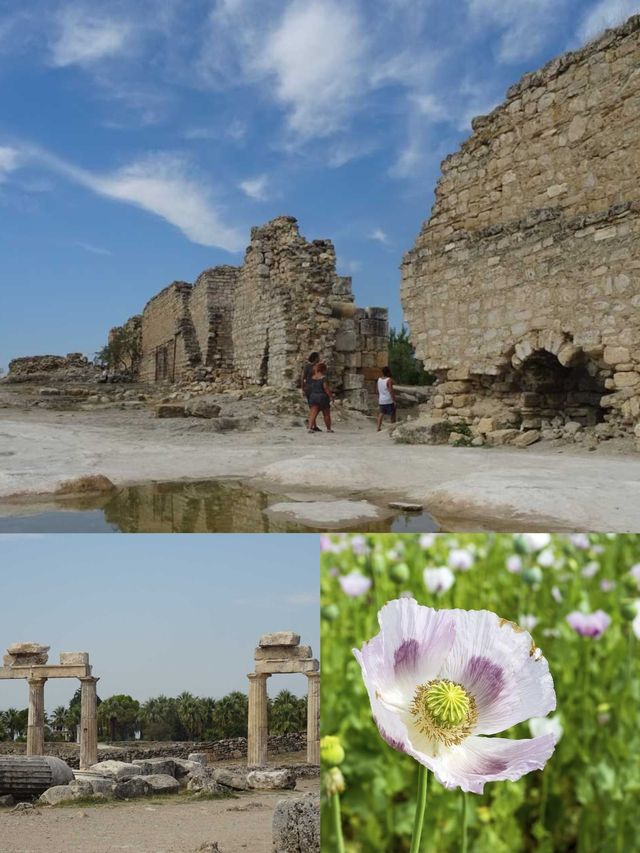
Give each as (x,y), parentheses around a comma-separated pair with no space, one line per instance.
(36,679)
(311,675)
(89,679)
(259,675)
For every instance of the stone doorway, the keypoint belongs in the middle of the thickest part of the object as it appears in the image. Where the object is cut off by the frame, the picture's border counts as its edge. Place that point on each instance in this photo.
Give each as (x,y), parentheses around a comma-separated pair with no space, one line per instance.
(552,393)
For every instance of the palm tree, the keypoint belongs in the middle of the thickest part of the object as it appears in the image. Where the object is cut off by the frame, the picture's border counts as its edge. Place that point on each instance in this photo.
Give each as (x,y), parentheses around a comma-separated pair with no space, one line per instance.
(287,713)
(193,714)
(118,716)
(58,720)
(230,716)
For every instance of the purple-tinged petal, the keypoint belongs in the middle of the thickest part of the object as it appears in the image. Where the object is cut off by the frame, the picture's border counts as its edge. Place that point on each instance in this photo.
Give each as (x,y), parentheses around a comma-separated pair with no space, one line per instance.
(354,584)
(496,662)
(479,760)
(589,624)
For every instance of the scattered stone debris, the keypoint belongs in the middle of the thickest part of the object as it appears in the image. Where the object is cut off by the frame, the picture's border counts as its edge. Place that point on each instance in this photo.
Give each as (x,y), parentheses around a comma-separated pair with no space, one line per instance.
(90,485)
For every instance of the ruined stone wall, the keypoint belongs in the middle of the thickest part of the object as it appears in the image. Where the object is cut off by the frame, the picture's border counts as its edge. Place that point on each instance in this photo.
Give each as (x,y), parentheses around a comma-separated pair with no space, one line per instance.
(169,342)
(531,254)
(212,306)
(74,367)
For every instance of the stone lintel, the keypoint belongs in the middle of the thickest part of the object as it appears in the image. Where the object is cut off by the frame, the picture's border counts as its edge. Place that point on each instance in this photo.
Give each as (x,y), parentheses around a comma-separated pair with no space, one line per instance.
(275,666)
(283,653)
(45,671)
(280,638)
(74,658)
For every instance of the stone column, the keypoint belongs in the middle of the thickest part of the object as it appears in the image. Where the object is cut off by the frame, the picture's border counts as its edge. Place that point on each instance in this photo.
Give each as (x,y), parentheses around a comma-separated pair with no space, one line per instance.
(258,728)
(313,718)
(88,722)
(35,720)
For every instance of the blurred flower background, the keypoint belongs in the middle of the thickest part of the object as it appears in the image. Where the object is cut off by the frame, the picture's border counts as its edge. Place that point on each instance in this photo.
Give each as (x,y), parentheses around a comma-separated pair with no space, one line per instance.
(579,597)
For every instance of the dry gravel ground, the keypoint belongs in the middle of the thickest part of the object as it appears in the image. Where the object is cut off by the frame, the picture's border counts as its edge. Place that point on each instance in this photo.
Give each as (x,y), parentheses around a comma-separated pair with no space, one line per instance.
(158,826)
(541,487)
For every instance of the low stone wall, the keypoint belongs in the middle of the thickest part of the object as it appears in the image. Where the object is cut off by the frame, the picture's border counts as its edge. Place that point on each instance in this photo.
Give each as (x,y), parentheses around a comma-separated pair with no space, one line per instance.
(220,750)
(74,367)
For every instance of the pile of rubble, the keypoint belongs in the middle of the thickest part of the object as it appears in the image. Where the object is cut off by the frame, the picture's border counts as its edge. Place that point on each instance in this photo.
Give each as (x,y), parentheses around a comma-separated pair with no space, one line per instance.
(74,367)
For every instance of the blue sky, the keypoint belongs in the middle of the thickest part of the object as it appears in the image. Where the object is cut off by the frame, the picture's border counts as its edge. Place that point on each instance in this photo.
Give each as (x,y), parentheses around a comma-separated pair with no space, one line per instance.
(157,614)
(140,141)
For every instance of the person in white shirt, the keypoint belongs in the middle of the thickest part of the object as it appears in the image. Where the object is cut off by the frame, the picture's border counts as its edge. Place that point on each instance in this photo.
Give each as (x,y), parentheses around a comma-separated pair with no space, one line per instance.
(386,398)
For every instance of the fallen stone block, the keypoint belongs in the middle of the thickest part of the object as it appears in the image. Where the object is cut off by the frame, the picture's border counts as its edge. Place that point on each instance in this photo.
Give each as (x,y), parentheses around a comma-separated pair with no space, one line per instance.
(120,771)
(136,786)
(231,778)
(280,638)
(162,783)
(170,410)
(498,437)
(154,766)
(526,438)
(202,408)
(183,766)
(91,484)
(296,825)
(271,779)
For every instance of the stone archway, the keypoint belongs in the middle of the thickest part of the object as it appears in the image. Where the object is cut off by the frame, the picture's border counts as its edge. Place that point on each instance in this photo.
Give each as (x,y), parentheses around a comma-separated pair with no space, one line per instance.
(555,380)
(281,652)
(29,661)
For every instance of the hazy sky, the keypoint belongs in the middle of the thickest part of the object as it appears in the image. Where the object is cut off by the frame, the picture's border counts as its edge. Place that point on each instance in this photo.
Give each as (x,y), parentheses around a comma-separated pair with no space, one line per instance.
(157,613)
(140,141)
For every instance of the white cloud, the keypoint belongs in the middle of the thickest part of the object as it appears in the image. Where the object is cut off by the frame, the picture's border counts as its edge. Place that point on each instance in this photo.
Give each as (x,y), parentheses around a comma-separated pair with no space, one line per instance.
(525,24)
(9,161)
(315,57)
(605,14)
(160,184)
(89,247)
(255,187)
(84,38)
(379,236)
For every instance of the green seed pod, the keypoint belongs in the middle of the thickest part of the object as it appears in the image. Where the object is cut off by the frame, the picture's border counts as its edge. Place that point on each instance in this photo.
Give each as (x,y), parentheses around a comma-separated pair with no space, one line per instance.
(532,576)
(628,609)
(400,573)
(330,612)
(334,781)
(331,751)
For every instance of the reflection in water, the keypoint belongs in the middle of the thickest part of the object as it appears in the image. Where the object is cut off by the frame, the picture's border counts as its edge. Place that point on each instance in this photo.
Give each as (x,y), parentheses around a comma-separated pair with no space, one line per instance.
(207,506)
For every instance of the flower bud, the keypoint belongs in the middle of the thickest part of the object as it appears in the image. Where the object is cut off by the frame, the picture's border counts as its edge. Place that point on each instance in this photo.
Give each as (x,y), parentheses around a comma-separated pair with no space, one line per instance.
(400,573)
(330,612)
(334,781)
(331,751)
(532,576)
(628,609)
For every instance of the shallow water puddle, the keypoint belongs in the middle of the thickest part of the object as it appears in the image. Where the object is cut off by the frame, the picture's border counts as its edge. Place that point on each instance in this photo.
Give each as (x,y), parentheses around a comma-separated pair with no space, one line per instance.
(208,506)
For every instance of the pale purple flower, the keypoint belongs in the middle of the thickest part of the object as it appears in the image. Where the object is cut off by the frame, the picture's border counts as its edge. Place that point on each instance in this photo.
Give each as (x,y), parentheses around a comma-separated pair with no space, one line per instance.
(589,624)
(461,559)
(359,545)
(546,726)
(514,564)
(355,584)
(634,571)
(580,541)
(536,541)
(607,585)
(556,594)
(598,549)
(328,546)
(438,580)
(438,680)
(546,558)
(427,540)
(527,621)
(591,569)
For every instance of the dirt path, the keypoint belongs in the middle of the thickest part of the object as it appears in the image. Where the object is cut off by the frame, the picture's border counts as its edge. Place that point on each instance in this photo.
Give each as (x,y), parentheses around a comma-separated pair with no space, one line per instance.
(505,489)
(160,826)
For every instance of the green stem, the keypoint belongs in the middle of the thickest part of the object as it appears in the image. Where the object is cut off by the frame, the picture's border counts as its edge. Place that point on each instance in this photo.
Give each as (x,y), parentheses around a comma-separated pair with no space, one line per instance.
(337,822)
(465,818)
(421,805)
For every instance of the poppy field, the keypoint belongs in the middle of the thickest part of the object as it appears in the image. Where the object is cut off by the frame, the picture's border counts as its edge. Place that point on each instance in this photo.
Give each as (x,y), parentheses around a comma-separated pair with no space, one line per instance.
(512,730)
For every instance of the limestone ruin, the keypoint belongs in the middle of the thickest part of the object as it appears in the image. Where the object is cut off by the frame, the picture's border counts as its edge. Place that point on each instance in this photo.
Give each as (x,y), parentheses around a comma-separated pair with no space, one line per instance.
(281,652)
(29,661)
(256,324)
(522,290)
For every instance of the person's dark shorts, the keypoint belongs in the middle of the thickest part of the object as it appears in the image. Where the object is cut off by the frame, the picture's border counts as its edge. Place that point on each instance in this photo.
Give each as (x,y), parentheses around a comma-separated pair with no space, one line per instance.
(388,409)
(321,400)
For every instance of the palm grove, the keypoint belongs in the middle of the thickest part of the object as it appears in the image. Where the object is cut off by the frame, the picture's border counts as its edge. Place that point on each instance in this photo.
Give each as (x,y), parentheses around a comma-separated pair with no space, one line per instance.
(183,718)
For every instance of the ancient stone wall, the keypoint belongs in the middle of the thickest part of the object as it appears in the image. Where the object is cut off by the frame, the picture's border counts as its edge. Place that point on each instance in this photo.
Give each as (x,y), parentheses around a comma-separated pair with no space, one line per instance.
(524,284)
(212,306)
(74,367)
(169,341)
(257,323)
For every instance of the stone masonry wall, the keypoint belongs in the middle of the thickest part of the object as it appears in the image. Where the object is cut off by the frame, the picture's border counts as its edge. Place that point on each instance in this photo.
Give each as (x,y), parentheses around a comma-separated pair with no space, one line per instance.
(257,323)
(169,342)
(526,278)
